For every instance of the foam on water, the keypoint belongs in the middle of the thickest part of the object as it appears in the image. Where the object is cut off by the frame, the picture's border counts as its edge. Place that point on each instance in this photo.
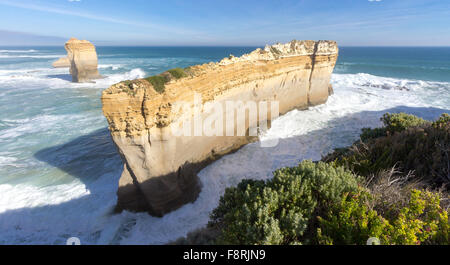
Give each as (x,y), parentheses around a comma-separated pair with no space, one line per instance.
(17,51)
(31,56)
(59,78)
(68,188)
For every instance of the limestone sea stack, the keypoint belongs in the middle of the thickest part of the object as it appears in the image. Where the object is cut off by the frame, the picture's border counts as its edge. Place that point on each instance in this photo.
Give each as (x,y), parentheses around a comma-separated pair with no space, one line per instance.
(160,164)
(82,60)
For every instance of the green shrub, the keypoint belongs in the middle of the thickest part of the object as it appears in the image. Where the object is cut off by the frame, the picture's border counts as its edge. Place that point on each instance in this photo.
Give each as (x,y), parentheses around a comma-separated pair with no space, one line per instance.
(443,121)
(392,123)
(279,211)
(177,73)
(351,221)
(158,82)
(424,150)
(399,122)
(369,133)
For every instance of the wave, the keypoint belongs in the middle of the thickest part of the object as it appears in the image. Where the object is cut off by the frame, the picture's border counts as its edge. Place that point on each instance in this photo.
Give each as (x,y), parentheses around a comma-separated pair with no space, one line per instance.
(57,78)
(31,56)
(17,51)
(112,66)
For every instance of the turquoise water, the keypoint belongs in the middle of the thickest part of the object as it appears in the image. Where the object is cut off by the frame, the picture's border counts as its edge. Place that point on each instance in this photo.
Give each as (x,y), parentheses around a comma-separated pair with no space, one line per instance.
(59,168)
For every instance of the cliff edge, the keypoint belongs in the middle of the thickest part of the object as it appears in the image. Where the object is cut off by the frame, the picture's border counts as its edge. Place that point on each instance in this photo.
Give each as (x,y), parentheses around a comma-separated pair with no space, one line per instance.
(161,164)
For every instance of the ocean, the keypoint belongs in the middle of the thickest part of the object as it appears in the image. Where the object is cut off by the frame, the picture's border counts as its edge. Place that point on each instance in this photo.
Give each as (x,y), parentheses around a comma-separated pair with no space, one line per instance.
(59,169)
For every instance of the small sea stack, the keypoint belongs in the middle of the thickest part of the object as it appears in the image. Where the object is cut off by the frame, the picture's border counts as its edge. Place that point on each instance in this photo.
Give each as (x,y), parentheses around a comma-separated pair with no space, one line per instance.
(82,60)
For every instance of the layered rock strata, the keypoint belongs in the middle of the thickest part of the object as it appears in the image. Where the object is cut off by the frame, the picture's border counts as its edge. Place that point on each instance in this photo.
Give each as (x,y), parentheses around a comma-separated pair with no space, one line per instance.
(82,60)
(161,164)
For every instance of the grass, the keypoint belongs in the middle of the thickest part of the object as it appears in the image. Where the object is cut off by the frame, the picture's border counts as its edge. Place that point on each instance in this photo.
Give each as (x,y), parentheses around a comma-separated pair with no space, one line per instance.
(177,73)
(159,81)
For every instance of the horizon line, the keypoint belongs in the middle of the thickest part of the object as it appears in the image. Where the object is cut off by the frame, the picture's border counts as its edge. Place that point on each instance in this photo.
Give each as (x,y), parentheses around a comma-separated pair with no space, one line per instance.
(234,45)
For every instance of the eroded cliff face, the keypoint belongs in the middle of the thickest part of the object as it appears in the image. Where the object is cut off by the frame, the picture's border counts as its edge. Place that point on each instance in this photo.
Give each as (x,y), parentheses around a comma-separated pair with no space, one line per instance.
(82,57)
(161,165)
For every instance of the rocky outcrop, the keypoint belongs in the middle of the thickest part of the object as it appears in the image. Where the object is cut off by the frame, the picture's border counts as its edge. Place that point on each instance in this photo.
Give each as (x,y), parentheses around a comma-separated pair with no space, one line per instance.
(160,164)
(82,59)
(61,63)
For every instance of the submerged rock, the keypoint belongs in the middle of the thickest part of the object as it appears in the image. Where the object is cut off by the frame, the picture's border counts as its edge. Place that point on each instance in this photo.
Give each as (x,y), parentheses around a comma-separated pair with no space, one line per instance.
(160,163)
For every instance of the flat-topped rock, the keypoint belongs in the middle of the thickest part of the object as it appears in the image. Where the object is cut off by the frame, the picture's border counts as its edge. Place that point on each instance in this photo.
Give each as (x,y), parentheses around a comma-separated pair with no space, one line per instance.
(83,60)
(161,166)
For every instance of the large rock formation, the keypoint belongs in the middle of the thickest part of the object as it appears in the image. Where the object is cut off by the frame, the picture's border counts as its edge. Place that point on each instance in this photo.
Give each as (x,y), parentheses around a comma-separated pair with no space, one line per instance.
(161,165)
(82,60)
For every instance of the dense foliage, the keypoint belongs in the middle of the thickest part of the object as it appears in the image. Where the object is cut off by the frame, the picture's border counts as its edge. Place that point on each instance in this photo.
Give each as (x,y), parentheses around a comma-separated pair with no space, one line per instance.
(408,142)
(158,82)
(392,123)
(278,211)
(352,221)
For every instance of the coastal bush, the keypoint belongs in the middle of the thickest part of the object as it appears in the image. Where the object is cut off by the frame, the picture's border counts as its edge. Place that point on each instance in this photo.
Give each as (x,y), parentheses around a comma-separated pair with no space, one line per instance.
(280,210)
(392,123)
(318,203)
(442,121)
(352,221)
(158,82)
(399,122)
(177,73)
(424,149)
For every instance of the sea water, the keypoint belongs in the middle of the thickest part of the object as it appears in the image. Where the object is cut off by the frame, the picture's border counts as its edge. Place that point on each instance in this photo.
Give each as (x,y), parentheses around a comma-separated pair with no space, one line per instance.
(59,169)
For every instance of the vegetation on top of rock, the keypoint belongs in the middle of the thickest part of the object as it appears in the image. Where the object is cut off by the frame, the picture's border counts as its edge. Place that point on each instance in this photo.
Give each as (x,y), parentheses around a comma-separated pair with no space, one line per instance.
(159,81)
(177,73)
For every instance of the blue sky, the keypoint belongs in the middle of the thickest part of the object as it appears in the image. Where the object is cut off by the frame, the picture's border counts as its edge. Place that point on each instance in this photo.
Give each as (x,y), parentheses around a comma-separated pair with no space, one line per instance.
(230,22)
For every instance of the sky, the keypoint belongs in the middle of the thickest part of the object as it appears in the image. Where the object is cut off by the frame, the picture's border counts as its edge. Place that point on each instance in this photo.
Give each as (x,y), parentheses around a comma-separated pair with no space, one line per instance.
(225,23)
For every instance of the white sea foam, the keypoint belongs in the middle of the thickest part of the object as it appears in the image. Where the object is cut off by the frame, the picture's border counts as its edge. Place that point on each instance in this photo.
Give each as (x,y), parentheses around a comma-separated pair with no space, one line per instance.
(51,214)
(59,78)
(111,66)
(17,51)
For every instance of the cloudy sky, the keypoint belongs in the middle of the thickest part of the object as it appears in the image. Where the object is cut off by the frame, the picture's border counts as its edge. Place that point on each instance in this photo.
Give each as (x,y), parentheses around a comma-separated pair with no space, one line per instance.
(230,22)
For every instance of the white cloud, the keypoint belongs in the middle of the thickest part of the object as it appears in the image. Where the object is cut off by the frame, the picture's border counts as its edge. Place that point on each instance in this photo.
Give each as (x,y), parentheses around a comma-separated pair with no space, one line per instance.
(74,0)
(368,0)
